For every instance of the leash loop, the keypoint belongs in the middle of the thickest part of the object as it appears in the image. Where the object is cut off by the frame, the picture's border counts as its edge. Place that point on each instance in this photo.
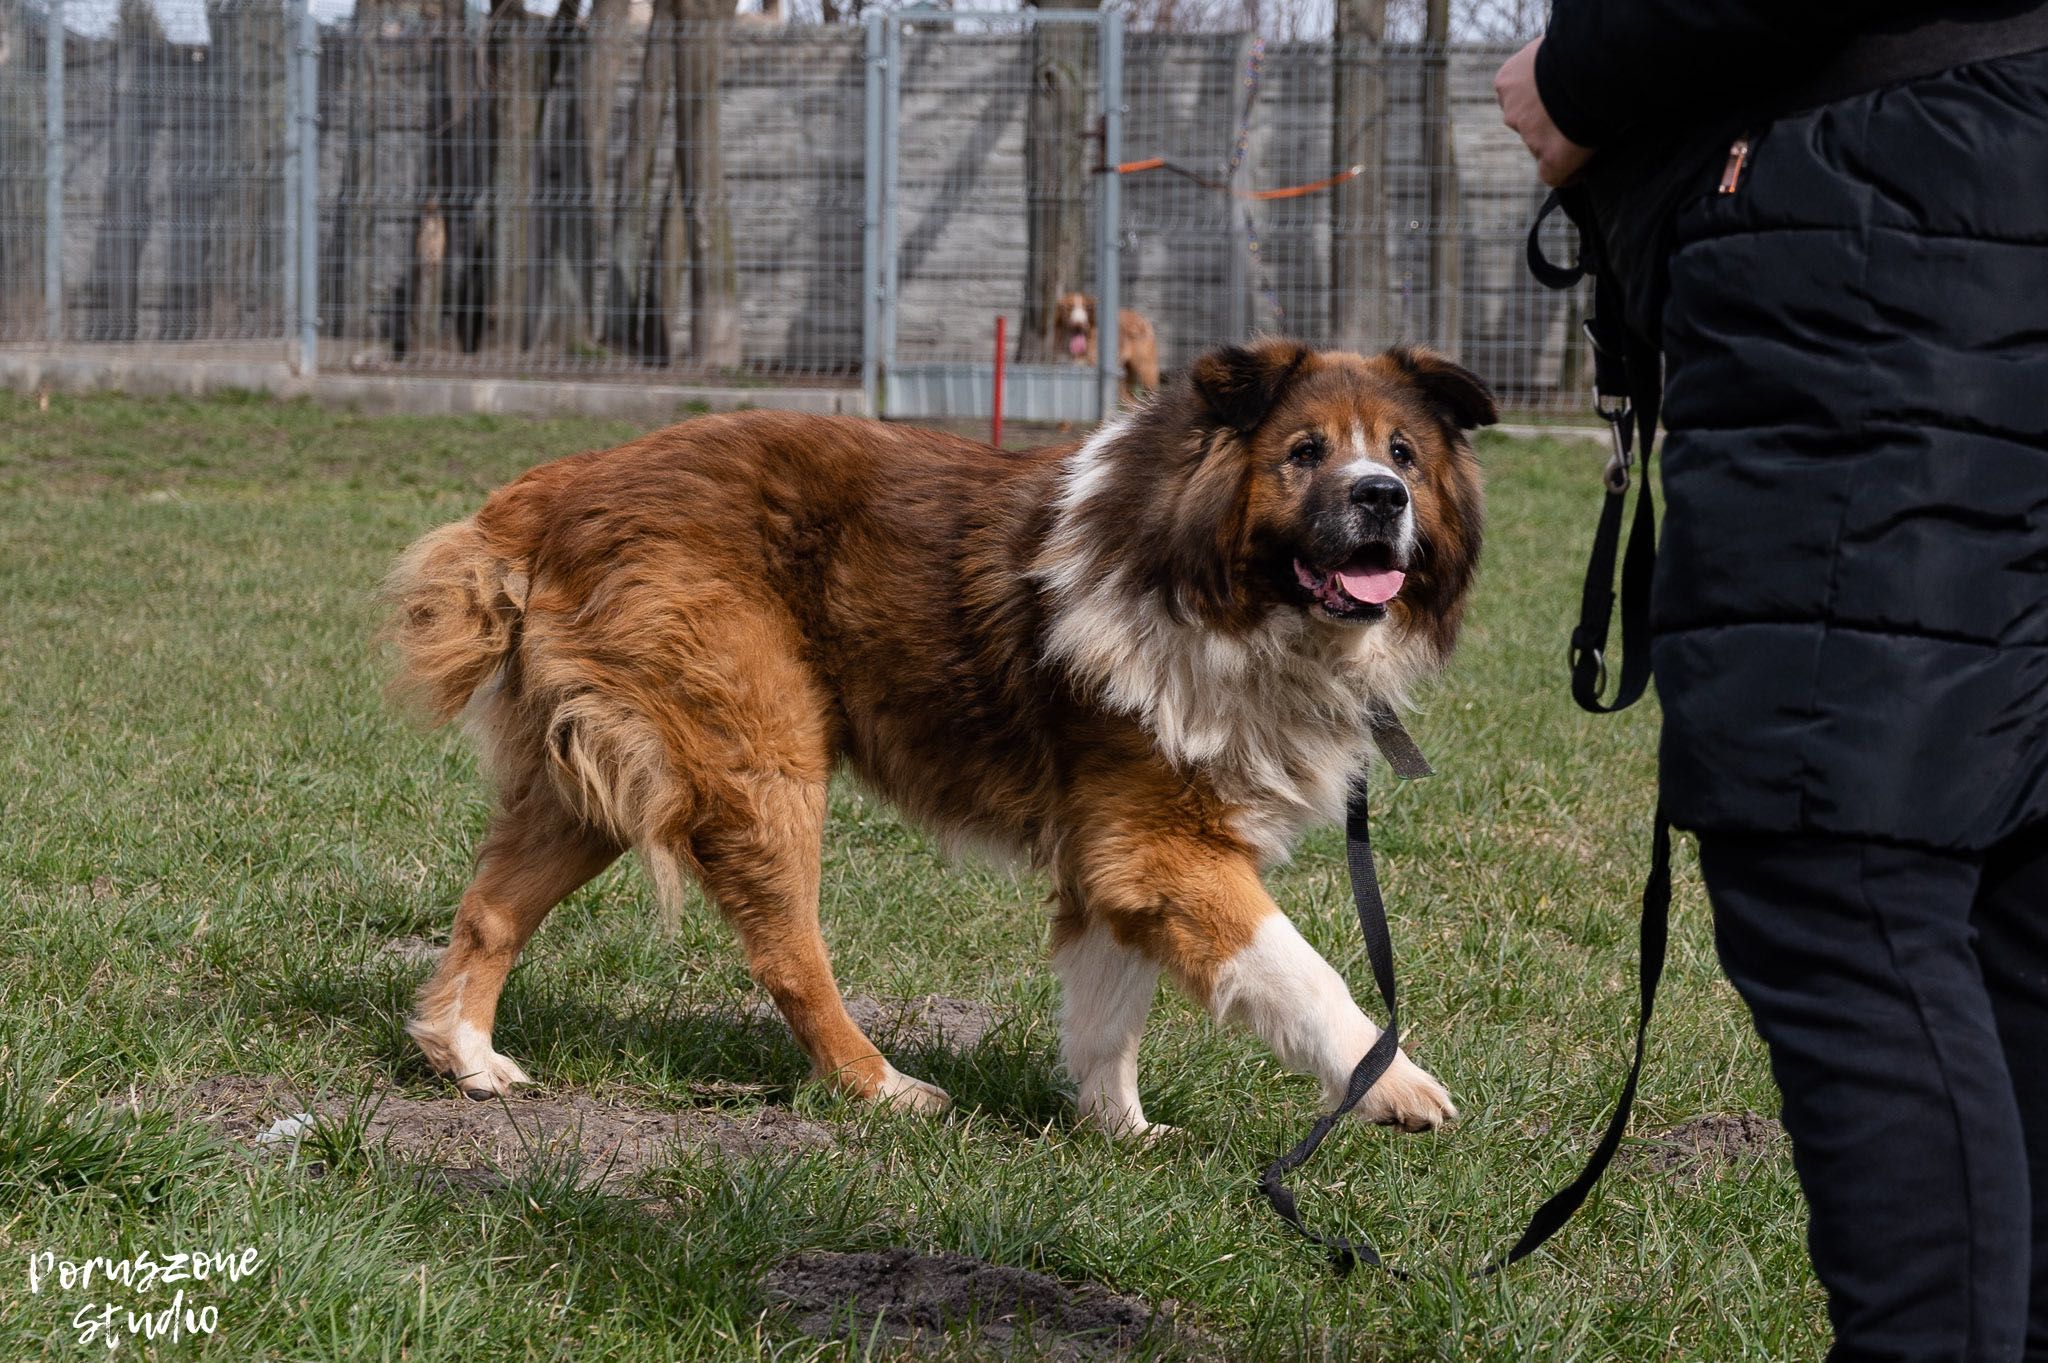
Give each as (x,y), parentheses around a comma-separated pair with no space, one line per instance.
(1548,273)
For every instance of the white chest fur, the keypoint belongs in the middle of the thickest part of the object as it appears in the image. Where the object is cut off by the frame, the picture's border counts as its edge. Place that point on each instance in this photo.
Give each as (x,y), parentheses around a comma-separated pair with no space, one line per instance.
(1275,720)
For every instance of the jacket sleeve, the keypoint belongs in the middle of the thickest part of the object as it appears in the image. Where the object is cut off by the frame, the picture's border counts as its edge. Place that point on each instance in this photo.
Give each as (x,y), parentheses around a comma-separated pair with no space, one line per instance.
(1606,66)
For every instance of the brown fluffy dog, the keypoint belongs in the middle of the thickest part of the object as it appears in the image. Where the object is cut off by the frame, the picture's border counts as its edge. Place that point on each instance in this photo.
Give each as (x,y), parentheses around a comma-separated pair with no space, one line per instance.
(1144,662)
(1137,349)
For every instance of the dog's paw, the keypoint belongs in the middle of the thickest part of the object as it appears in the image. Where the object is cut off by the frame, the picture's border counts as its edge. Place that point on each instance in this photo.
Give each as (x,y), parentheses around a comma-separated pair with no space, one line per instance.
(1144,1133)
(494,1076)
(468,1059)
(900,1090)
(1123,1127)
(1407,1096)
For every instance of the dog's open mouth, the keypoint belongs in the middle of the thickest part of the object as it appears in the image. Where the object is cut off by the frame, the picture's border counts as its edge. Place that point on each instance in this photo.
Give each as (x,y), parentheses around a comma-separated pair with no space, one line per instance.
(1357,589)
(1077,344)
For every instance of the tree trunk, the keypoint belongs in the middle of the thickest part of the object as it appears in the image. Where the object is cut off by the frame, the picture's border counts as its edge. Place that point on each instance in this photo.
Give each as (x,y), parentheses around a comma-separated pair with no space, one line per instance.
(636,320)
(451,234)
(1444,215)
(1056,160)
(196,182)
(243,255)
(1358,216)
(348,306)
(509,120)
(445,177)
(557,286)
(604,58)
(21,193)
(114,289)
(700,185)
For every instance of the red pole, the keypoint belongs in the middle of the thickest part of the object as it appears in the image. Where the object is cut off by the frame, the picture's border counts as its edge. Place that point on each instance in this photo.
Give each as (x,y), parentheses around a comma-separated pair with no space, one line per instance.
(996,418)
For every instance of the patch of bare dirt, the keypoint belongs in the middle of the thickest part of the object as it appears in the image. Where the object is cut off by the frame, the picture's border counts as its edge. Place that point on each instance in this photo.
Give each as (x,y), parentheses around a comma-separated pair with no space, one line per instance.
(412,950)
(466,1143)
(915,1297)
(1719,1138)
(954,1024)
(950,1024)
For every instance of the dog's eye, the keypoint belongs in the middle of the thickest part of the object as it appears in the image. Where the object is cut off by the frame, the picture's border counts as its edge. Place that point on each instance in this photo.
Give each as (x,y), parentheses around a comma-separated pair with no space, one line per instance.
(1307,451)
(1402,452)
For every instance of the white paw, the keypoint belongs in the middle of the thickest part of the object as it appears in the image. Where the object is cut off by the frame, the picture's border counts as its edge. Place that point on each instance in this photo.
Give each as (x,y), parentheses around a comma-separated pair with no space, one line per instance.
(1127,1132)
(1124,1122)
(1407,1096)
(468,1059)
(900,1090)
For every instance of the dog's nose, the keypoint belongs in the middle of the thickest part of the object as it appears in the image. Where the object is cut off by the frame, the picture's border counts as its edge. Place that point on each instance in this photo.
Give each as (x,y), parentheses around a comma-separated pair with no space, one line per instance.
(1380,492)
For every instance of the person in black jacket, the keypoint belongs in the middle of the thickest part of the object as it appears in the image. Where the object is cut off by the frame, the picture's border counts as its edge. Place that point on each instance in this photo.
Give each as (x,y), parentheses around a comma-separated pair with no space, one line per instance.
(1850,614)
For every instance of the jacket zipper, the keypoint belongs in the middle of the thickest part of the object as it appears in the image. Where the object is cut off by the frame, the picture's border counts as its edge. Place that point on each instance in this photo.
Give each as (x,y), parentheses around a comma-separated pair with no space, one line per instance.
(1738,161)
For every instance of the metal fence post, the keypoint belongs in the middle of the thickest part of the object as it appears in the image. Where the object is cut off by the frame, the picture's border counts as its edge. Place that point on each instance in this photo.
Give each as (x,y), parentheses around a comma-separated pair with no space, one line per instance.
(307,209)
(871,218)
(892,105)
(1109,210)
(288,204)
(53,173)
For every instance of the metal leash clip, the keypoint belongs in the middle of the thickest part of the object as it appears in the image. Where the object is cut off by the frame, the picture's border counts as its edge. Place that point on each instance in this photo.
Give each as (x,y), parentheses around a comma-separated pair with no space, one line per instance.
(1616,417)
(1612,408)
(1615,412)
(1574,651)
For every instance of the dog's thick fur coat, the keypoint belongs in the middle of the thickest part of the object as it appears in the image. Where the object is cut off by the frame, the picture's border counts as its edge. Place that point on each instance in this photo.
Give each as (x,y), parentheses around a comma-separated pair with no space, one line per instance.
(1133,661)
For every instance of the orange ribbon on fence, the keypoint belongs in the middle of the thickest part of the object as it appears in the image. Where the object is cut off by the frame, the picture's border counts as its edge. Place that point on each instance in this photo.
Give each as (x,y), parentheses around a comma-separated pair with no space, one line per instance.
(1260,195)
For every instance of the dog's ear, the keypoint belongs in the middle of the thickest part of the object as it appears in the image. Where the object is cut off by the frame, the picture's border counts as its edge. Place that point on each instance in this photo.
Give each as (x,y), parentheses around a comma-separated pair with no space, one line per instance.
(1201,527)
(1455,391)
(1238,385)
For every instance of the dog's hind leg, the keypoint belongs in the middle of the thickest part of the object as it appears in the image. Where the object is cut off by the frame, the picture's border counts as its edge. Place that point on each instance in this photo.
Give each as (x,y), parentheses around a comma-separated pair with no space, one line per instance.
(759,862)
(535,855)
(1106,991)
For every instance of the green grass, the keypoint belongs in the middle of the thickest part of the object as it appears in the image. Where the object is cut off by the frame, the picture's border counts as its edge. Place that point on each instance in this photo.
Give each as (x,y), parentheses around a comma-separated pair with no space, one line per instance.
(209,821)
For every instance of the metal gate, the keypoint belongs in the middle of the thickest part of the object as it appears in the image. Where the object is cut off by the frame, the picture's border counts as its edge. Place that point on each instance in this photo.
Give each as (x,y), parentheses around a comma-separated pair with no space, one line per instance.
(942,226)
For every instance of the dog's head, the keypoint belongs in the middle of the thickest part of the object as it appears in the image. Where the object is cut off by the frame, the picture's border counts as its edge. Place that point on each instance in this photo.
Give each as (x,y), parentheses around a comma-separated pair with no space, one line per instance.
(1327,483)
(1074,322)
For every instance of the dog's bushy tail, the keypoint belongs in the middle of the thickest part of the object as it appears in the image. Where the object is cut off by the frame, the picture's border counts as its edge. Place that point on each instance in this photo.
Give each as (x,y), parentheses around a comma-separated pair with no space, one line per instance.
(455,603)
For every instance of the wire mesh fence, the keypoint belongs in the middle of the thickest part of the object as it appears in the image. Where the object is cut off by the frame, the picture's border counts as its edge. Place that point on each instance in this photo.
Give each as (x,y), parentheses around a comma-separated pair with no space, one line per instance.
(516,193)
(1354,195)
(533,195)
(171,148)
(997,199)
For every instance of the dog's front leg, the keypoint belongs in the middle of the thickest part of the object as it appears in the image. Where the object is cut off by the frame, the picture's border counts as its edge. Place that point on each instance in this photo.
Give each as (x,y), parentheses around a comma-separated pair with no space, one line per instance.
(1281,988)
(1106,991)
(1198,909)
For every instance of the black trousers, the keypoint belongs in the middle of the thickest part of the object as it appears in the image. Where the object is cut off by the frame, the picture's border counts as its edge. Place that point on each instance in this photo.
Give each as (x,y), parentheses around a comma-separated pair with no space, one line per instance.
(1903,995)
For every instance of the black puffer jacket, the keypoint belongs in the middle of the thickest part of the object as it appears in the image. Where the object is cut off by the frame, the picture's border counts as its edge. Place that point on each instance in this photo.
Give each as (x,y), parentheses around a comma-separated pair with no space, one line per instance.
(1852,590)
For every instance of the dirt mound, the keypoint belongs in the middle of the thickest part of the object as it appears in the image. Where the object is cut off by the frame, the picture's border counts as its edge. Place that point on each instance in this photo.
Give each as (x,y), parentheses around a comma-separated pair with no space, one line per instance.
(412,950)
(465,1141)
(1715,1139)
(1007,1311)
(953,1024)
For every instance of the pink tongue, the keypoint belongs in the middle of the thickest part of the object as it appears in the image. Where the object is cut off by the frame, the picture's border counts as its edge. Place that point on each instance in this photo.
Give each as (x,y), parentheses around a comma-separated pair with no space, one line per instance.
(1078,344)
(1375,587)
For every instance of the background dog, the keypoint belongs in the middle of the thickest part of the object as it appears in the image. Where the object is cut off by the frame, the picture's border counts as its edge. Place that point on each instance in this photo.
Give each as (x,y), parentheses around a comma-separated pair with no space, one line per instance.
(1145,662)
(1137,349)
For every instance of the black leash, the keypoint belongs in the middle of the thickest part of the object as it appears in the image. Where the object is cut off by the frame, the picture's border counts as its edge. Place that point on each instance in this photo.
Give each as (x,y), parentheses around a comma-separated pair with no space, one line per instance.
(1408,763)
(1628,383)
(1345,1252)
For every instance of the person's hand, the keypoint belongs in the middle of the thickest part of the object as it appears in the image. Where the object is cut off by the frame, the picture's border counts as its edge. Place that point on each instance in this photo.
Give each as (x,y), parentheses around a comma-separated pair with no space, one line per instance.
(1558,158)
